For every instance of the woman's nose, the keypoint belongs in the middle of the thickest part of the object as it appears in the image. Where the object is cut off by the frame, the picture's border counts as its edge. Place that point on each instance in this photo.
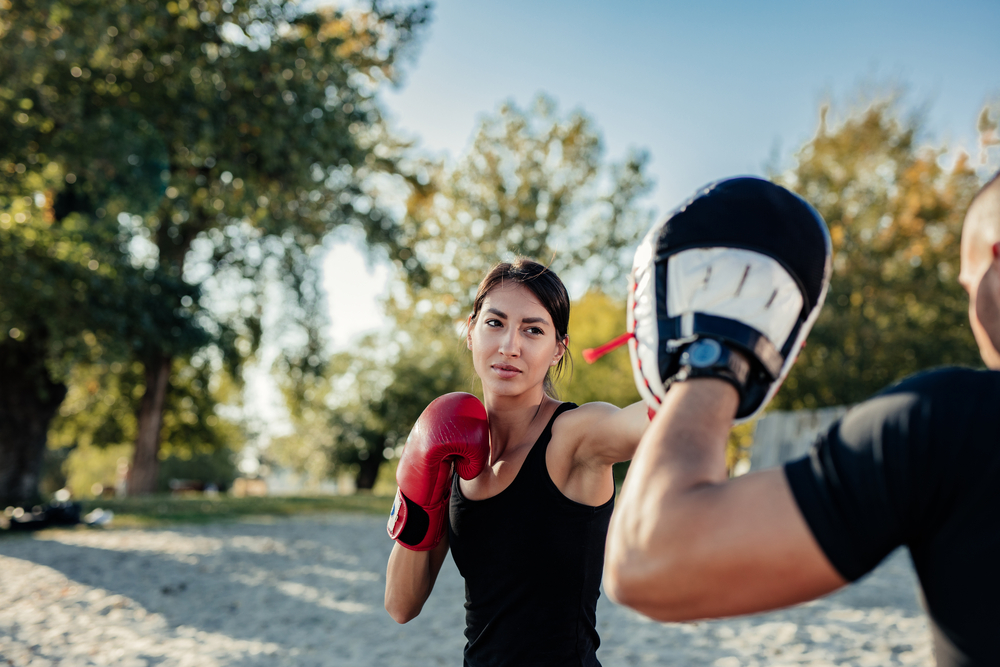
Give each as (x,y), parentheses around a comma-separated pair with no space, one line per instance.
(509,345)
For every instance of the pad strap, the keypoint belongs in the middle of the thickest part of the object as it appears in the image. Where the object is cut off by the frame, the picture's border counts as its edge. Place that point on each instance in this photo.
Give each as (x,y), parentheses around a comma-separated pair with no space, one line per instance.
(678,331)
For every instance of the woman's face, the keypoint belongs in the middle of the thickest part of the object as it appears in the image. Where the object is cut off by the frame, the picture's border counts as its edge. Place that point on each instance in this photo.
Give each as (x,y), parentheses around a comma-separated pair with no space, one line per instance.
(513,342)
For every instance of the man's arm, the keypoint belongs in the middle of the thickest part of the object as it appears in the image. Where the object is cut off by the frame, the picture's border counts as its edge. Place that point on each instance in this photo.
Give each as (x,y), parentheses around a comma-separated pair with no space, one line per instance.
(686,542)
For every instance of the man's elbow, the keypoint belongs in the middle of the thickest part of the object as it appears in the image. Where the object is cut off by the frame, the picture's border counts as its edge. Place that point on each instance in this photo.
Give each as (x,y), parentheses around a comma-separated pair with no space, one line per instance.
(626,588)
(626,573)
(617,586)
(649,585)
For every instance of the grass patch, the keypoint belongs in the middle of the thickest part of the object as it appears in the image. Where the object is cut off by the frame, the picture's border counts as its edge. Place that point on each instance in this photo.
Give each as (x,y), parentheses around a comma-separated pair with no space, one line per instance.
(160,510)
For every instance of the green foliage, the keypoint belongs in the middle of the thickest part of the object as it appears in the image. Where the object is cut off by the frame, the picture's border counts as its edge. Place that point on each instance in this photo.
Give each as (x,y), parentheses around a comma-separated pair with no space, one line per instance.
(99,409)
(248,125)
(594,320)
(360,414)
(215,467)
(895,215)
(66,282)
(308,449)
(196,142)
(68,290)
(534,183)
(192,425)
(385,483)
(96,424)
(89,471)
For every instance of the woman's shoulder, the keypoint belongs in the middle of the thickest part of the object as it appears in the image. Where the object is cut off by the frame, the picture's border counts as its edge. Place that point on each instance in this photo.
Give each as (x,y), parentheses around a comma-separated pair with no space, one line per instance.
(602,431)
(582,416)
(597,434)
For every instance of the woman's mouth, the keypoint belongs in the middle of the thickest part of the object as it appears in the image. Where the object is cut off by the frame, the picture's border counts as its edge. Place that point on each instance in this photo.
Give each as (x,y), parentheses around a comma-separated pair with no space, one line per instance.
(506,371)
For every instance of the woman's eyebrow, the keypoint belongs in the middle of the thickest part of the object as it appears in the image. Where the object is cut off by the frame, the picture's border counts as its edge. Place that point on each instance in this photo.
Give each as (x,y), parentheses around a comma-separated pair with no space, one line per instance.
(526,320)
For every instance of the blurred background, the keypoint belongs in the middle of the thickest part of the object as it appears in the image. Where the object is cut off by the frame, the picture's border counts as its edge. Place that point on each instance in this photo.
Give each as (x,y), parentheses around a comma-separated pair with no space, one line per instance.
(238,239)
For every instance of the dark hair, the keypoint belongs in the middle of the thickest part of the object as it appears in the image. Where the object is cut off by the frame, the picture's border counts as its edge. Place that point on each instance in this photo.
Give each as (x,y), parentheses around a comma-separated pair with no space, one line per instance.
(547,288)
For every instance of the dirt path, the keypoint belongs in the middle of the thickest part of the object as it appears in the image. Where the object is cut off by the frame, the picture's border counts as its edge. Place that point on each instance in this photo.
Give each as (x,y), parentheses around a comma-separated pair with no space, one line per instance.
(308,591)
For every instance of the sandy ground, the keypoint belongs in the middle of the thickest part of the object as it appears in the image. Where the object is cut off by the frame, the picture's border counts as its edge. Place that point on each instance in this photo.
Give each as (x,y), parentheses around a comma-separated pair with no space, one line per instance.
(308,591)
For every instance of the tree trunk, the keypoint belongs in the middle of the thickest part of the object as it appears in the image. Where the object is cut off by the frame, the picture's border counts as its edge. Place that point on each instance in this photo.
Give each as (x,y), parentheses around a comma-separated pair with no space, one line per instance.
(29,399)
(145,467)
(367,473)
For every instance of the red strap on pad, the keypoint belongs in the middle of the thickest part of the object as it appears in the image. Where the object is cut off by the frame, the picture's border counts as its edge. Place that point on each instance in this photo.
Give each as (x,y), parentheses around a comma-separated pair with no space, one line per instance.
(592,354)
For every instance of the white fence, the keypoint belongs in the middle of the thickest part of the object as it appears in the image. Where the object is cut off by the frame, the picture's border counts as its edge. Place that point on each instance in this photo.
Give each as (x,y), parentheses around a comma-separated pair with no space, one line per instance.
(783,436)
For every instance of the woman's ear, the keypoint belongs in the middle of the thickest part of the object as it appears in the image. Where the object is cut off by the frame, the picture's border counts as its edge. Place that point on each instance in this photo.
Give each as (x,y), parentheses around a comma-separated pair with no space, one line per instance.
(561,349)
(468,332)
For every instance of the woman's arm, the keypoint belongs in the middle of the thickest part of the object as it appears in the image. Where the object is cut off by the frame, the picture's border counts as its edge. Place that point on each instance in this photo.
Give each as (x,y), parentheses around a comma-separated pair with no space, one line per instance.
(608,434)
(409,579)
(451,433)
(586,442)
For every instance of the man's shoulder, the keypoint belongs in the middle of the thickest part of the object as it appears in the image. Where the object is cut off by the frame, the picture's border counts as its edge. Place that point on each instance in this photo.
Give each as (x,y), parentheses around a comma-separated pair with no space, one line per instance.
(949,408)
(928,394)
(949,381)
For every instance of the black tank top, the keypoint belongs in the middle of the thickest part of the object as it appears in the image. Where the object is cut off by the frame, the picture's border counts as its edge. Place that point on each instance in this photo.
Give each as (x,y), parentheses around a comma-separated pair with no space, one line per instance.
(532,562)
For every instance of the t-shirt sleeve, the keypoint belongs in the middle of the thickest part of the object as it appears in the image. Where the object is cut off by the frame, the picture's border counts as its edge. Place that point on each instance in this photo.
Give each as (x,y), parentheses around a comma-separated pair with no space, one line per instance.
(856,485)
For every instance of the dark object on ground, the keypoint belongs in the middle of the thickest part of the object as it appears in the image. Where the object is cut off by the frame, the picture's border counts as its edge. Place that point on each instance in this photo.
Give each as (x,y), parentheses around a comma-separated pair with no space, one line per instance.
(54,513)
(179,487)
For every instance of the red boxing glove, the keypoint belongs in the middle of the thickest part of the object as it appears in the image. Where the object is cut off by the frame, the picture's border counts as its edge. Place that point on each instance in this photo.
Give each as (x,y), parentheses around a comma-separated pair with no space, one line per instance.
(452,429)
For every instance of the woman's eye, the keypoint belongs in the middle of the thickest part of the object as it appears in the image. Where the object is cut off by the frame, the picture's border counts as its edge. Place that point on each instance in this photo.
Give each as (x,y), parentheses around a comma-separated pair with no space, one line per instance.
(535,331)
(493,323)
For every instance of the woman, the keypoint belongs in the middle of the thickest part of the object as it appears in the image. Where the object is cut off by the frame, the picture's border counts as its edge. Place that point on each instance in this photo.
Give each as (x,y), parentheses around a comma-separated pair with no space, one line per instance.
(528,533)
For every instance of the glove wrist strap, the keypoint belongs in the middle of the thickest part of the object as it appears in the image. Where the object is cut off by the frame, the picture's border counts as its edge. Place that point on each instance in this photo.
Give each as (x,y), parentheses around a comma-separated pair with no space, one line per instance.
(417,527)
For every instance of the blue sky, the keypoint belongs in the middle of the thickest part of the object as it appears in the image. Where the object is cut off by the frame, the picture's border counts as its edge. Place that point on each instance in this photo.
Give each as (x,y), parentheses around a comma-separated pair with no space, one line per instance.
(710,89)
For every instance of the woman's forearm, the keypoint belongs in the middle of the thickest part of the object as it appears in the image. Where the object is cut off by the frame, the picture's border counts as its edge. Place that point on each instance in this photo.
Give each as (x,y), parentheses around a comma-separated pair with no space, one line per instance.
(409,579)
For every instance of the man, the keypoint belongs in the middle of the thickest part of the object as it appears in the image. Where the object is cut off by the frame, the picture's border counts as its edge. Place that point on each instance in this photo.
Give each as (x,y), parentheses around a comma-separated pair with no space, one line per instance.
(917,465)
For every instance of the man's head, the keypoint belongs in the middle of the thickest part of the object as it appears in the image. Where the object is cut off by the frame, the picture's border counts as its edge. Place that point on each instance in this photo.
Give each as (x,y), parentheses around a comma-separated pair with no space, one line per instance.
(980,275)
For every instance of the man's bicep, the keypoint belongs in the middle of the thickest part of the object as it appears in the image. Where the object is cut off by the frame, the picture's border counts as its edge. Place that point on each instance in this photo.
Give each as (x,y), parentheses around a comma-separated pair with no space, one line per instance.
(778,562)
(739,547)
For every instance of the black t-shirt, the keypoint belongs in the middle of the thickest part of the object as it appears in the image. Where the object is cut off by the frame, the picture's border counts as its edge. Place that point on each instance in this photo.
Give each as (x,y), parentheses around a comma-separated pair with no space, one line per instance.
(532,561)
(918,465)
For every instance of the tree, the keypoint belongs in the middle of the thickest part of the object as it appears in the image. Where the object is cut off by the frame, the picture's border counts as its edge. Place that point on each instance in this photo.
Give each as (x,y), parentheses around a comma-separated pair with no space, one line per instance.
(248,128)
(895,215)
(67,290)
(96,423)
(534,183)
